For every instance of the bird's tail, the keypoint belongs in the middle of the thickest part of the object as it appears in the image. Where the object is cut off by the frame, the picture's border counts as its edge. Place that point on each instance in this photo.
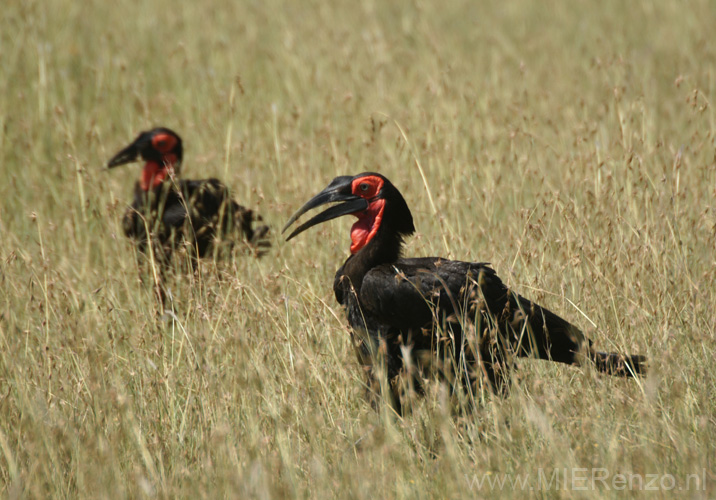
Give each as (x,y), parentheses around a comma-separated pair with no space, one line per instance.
(256,236)
(620,365)
(259,240)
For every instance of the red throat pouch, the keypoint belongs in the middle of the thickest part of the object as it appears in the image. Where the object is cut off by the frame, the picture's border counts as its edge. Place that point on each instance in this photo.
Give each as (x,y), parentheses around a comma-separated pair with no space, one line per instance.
(153,175)
(367,225)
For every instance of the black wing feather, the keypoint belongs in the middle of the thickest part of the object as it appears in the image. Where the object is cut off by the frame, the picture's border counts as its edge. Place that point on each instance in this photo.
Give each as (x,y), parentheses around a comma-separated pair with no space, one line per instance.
(415,293)
(410,292)
(191,210)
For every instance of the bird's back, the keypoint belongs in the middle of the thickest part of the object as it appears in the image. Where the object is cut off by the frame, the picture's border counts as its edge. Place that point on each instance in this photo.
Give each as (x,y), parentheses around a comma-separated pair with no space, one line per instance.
(198,212)
(432,305)
(427,292)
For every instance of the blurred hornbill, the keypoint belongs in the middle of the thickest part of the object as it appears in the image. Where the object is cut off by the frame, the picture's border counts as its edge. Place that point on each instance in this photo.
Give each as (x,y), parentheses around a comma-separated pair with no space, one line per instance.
(171,212)
(412,317)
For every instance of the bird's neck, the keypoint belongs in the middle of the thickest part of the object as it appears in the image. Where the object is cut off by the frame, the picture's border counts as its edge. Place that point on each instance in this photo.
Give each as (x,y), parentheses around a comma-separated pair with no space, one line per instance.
(385,247)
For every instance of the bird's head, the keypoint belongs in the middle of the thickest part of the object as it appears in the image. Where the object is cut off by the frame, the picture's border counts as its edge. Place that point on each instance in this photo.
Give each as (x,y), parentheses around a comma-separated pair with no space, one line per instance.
(372,198)
(160,148)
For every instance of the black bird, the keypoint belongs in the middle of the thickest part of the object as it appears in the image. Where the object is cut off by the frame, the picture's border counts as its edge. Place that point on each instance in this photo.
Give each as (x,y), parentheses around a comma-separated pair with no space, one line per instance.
(413,317)
(173,213)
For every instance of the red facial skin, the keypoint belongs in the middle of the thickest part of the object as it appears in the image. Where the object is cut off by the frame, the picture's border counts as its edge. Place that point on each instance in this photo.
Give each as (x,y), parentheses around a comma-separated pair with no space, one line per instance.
(369,219)
(153,174)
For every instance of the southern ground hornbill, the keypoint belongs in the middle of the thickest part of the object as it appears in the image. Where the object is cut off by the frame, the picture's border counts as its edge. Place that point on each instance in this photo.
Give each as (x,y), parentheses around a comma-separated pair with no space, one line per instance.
(413,317)
(174,213)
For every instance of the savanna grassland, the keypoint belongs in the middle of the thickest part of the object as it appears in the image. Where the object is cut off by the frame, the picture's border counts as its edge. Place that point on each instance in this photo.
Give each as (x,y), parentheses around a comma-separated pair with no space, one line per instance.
(570,144)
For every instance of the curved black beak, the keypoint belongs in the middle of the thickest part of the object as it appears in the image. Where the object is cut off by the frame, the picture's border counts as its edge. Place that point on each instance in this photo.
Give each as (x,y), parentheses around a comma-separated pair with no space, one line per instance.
(130,153)
(338,190)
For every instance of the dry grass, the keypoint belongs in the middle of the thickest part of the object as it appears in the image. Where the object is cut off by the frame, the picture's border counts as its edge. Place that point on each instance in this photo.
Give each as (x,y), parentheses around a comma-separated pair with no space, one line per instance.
(571,144)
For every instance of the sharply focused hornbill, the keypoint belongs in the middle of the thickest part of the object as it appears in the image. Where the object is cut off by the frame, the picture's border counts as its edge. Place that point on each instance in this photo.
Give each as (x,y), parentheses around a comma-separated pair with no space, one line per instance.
(412,317)
(174,213)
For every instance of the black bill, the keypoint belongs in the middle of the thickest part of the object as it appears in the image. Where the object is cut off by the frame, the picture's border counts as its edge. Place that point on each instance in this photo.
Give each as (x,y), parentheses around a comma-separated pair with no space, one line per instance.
(339,190)
(130,153)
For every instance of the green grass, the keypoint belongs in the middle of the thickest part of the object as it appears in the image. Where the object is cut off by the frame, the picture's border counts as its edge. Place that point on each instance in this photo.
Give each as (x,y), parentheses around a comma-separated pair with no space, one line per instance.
(571,144)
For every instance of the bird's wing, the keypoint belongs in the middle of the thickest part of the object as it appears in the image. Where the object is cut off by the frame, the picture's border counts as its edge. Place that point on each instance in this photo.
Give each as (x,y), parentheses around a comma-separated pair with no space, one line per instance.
(205,196)
(211,203)
(414,292)
(174,214)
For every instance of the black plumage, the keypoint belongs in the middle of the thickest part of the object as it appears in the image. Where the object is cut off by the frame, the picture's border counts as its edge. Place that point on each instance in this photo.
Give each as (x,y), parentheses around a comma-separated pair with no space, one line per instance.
(421,316)
(198,216)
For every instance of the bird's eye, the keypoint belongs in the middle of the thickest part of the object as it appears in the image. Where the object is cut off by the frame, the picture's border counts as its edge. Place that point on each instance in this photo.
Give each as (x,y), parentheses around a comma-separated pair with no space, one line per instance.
(367,186)
(163,142)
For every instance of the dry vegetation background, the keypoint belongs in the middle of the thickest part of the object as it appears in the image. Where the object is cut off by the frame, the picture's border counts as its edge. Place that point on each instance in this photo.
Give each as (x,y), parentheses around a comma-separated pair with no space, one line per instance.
(571,144)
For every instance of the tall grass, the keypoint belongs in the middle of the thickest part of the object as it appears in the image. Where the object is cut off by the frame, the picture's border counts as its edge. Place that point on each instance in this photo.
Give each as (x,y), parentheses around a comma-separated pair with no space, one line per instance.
(571,144)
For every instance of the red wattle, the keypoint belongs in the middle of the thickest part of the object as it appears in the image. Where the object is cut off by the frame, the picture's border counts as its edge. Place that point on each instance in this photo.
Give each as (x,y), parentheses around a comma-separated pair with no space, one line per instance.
(153,175)
(367,225)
